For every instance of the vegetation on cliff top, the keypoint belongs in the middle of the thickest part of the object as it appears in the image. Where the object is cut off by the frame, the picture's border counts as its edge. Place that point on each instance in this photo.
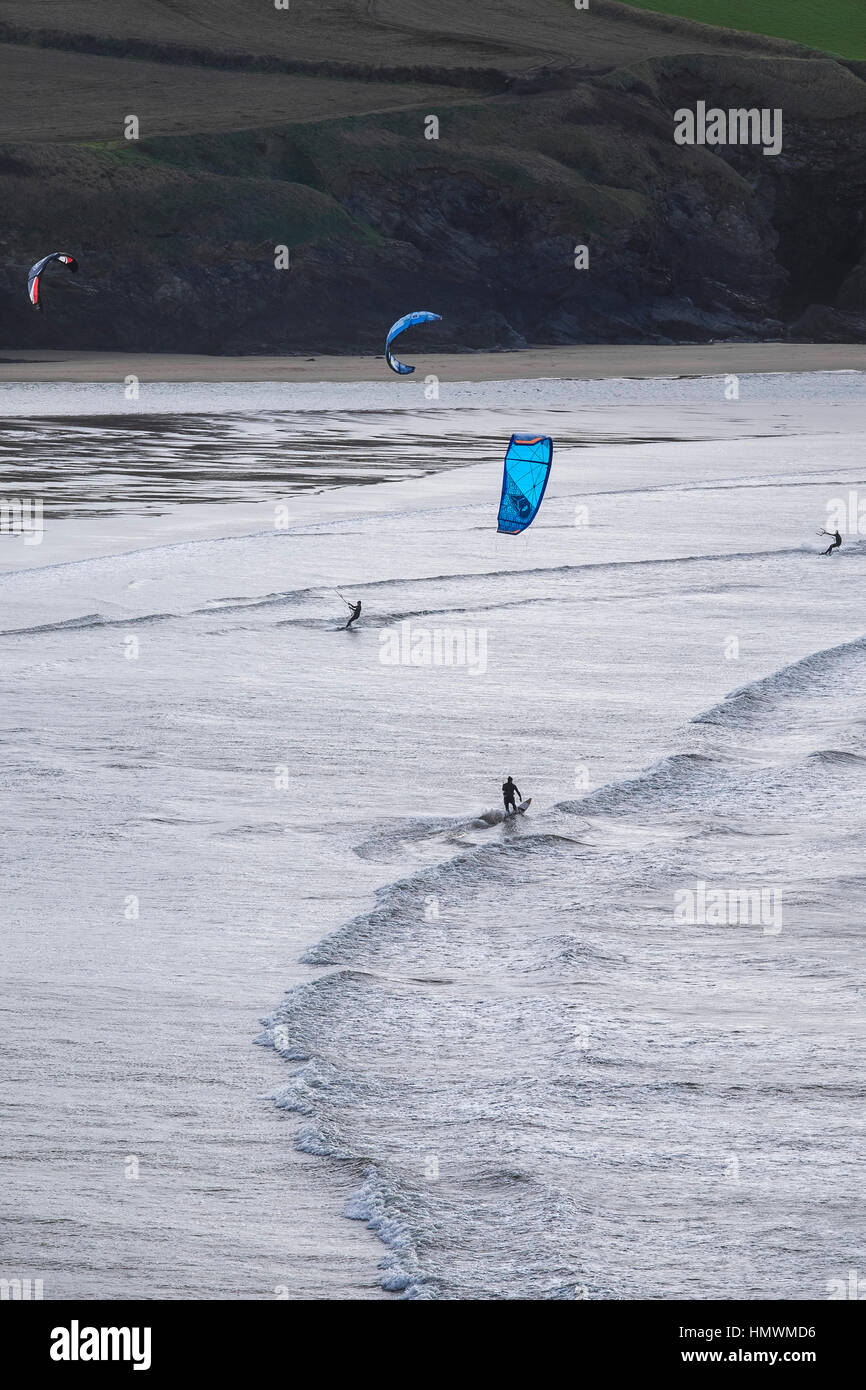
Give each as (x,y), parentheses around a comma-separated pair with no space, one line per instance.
(837,26)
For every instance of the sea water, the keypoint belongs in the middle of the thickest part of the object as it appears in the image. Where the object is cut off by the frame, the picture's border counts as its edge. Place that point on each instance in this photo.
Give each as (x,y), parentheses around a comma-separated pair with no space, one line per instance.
(611,1049)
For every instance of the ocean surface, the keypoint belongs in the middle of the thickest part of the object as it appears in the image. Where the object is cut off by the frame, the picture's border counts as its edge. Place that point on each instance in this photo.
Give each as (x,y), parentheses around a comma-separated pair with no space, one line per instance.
(289,1010)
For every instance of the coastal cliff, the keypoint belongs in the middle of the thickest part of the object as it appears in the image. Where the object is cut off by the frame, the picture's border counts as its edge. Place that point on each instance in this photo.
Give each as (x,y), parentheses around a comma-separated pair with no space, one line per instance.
(537,152)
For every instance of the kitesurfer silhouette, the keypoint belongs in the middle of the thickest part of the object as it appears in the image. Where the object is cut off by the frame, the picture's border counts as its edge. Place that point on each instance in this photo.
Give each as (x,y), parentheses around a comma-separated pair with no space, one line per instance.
(836,542)
(509,793)
(355,612)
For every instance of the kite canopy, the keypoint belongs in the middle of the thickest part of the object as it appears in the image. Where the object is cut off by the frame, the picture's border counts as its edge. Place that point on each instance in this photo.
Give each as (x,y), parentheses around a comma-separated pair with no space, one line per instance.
(36,270)
(524,478)
(407,321)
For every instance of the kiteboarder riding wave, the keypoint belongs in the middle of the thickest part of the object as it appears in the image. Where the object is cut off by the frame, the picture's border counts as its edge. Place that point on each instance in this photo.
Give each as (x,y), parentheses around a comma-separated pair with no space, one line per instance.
(836,542)
(355,612)
(510,794)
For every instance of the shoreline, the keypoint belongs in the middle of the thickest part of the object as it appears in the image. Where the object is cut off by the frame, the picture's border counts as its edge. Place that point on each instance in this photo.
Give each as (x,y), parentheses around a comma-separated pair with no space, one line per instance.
(585,362)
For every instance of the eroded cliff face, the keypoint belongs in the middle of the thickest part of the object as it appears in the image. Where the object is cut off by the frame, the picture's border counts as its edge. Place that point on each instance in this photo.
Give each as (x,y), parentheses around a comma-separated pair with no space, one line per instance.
(177,235)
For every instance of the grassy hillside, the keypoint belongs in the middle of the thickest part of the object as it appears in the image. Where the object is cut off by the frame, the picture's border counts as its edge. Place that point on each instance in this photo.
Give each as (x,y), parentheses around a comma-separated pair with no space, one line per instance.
(508,35)
(837,26)
(72,72)
(51,95)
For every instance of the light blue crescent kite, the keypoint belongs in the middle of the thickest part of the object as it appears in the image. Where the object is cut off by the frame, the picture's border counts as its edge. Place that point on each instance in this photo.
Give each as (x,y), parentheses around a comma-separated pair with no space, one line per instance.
(527,469)
(407,321)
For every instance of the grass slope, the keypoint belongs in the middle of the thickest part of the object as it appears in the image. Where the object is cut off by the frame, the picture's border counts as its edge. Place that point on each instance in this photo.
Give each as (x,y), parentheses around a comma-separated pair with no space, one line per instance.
(72,73)
(837,26)
(52,95)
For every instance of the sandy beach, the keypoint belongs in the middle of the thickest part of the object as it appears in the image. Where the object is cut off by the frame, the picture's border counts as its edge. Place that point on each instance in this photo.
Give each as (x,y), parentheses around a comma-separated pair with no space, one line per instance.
(586,363)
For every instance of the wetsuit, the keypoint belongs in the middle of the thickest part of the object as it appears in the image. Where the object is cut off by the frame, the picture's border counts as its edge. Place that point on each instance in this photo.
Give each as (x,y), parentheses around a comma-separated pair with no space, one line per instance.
(837,541)
(356,613)
(509,792)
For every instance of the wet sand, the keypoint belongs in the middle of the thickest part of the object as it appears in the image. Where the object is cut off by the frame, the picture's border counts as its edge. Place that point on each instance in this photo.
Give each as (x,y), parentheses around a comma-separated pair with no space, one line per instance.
(585,363)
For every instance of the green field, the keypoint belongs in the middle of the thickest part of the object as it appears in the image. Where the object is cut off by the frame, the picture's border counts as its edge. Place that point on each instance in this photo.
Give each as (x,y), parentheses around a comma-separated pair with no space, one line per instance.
(837,26)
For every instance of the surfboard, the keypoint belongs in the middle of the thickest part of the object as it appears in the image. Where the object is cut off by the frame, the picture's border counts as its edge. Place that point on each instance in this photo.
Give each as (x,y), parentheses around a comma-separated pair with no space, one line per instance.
(524,805)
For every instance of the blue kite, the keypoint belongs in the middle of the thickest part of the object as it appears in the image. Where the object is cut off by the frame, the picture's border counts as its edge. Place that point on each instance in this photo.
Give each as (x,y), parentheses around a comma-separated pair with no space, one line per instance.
(407,321)
(524,478)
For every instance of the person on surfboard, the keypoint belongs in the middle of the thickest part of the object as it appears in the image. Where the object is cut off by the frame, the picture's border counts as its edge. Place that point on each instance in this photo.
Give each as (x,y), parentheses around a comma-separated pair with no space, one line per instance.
(355,612)
(510,795)
(835,544)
